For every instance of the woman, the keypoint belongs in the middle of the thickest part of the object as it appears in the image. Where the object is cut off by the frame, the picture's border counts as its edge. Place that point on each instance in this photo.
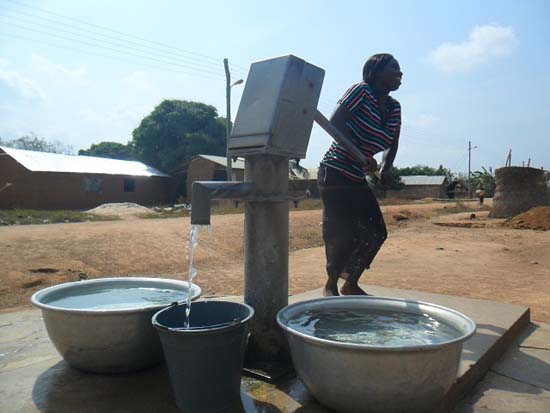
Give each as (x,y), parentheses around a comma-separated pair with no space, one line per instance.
(353,226)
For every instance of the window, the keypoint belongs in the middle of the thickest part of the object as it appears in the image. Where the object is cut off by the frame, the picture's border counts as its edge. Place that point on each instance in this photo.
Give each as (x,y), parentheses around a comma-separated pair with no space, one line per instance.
(92,184)
(129,185)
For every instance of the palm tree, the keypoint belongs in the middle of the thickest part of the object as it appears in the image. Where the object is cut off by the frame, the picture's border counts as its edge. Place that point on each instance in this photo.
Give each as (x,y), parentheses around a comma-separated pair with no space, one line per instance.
(484,179)
(296,171)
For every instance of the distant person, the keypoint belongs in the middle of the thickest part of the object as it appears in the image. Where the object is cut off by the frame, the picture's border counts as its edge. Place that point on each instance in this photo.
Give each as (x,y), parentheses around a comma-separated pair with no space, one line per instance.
(353,226)
(481,195)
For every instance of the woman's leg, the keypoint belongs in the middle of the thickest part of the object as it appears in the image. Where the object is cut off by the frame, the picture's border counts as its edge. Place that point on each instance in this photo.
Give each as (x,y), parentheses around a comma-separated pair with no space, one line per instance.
(338,224)
(338,235)
(369,237)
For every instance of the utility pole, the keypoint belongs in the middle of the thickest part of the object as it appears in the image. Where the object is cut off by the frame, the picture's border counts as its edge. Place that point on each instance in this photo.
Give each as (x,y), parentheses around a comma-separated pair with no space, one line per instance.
(469,168)
(470,147)
(228,115)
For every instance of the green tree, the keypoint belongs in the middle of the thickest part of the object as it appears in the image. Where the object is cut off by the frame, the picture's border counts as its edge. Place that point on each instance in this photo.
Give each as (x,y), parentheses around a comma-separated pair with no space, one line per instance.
(112,150)
(426,170)
(297,171)
(176,131)
(32,142)
(394,181)
(483,179)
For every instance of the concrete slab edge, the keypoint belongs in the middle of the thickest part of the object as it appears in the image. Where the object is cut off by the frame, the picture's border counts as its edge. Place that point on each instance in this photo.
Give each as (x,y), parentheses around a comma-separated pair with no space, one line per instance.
(477,371)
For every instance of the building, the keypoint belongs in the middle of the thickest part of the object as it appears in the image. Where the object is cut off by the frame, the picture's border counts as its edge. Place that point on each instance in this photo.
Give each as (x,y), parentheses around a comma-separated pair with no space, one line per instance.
(214,168)
(421,186)
(41,180)
(204,168)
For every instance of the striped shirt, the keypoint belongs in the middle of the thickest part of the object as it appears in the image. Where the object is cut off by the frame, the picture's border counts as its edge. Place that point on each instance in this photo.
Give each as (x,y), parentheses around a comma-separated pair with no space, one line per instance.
(370,134)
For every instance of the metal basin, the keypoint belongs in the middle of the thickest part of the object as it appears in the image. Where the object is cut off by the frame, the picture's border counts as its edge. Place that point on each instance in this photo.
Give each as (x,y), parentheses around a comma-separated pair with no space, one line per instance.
(364,378)
(101,340)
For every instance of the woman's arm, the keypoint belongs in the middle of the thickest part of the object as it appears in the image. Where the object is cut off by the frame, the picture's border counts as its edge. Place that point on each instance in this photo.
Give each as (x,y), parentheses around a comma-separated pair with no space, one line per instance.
(389,157)
(339,119)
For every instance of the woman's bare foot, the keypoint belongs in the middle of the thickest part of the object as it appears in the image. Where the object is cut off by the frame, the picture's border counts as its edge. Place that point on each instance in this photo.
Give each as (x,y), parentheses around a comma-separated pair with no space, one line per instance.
(331,288)
(348,289)
(344,276)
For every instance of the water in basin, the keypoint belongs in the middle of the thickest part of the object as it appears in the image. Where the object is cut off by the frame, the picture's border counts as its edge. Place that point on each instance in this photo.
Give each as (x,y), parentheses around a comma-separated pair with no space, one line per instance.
(118,298)
(372,327)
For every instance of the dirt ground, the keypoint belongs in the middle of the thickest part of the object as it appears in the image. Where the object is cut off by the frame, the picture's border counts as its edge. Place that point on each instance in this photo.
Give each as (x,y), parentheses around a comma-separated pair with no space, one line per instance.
(430,247)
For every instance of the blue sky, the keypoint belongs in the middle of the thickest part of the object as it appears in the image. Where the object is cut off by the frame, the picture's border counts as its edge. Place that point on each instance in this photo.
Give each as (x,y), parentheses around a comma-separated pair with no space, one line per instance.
(473,70)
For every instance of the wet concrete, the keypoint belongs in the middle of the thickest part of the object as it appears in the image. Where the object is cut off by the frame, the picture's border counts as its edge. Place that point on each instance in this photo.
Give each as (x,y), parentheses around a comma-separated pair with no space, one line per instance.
(33,378)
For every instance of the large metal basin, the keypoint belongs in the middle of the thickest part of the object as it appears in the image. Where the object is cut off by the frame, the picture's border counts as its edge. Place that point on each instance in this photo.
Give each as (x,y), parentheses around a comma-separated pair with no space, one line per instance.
(106,340)
(374,379)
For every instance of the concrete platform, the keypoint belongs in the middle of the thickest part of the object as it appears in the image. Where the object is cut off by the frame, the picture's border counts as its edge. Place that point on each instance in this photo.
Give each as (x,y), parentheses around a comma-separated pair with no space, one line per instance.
(519,381)
(33,378)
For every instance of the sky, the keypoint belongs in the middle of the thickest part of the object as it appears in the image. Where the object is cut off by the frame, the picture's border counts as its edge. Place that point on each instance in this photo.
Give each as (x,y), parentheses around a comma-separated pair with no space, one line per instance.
(82,72)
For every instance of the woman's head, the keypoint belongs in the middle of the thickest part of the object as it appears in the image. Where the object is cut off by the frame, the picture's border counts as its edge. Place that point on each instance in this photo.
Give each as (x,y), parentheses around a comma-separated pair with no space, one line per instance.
(382,70)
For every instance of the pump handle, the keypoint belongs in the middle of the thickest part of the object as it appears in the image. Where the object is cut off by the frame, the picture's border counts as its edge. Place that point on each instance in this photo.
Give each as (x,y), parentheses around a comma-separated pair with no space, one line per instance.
(369,164)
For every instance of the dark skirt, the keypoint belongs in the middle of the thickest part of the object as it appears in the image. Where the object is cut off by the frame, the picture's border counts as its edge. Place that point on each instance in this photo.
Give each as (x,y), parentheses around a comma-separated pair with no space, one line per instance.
(353,225)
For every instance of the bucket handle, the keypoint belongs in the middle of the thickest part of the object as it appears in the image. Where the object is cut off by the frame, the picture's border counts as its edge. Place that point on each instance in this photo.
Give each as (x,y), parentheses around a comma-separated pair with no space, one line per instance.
(234,322)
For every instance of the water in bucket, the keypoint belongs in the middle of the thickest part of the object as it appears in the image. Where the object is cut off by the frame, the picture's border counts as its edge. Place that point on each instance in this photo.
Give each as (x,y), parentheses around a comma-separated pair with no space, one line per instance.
(371,327)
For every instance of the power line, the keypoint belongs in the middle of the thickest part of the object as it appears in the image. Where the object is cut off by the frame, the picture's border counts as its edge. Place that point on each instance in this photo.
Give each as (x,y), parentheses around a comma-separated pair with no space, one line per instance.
(179,50)
(60,27)
(118,50)
(460,160)
(204,76)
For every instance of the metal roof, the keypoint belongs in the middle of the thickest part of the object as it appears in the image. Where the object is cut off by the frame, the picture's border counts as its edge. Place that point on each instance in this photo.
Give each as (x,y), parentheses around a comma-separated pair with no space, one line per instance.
(423,180)
(239,164)
(222,160)
(54,162)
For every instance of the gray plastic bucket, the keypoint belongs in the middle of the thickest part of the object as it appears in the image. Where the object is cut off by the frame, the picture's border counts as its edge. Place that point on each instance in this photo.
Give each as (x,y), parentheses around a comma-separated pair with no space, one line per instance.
(205,360)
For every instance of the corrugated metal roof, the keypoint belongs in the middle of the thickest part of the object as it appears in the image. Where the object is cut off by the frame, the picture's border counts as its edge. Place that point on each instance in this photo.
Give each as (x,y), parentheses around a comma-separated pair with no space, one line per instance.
(423,180)
(53,162)
(239,164)
(222,160)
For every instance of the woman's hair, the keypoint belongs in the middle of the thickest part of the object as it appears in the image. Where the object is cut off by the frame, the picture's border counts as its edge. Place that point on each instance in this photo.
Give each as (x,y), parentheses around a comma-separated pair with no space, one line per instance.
(374,65)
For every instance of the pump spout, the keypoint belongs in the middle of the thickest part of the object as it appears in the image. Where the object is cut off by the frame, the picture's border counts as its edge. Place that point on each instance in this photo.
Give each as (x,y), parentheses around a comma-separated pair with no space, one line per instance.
(204,191)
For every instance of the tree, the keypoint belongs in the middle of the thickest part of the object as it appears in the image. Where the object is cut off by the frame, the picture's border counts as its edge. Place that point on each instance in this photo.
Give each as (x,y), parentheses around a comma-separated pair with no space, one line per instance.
(483,179)
(394,180)
(112,150)
(31,142)
(296,171)
(426,170)
(176,131)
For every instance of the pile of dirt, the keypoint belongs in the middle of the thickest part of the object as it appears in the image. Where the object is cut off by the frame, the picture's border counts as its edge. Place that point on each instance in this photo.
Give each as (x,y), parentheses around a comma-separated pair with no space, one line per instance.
(461,224)
(535,218)
(121,209)
(405,215)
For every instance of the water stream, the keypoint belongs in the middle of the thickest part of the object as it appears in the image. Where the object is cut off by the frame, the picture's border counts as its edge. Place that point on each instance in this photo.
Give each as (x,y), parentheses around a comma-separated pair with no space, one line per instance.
(192,242)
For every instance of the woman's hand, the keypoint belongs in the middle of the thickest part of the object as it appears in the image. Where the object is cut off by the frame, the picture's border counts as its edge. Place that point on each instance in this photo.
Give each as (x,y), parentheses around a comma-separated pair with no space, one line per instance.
(370,167)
